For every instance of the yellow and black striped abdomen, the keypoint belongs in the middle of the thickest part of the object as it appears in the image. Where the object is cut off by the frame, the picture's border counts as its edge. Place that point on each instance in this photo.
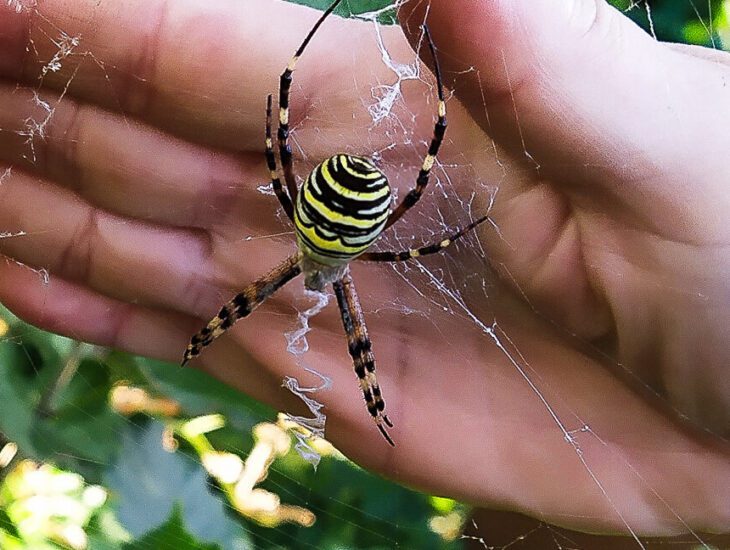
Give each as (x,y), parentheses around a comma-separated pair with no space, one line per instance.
(341,209)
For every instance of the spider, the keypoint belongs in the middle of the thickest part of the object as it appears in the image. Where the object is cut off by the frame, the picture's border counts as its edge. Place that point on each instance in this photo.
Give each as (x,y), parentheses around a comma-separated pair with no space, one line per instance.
(341,209)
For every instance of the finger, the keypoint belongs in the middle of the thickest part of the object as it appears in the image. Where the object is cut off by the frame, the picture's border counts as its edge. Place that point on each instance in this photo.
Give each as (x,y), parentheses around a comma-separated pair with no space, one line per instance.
(578,90)
(494,405)
(70,310)
(701,52)
(65,308)
(129,168)
(253,359)
(128,260)
(198,68)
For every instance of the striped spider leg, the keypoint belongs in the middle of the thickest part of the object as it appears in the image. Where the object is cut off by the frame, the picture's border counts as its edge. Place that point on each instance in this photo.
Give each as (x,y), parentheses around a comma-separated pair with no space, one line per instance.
(414,195)
(285,81)
(422,251)
(284,200)
(340,211)
(251,297)
(360,347)
(243,304)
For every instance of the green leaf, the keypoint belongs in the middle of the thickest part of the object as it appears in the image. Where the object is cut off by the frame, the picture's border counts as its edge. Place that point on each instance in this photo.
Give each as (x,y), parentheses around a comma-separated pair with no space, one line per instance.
(199,394)
(349,8)
(105,532)
(172,535)
(69,436)
(443,505)
(17,396)
(148,482)
(7,525)
(672,21)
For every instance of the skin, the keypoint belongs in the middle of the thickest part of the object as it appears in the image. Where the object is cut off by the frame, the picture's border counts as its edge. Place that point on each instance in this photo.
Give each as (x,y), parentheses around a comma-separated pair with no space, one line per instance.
(606,260)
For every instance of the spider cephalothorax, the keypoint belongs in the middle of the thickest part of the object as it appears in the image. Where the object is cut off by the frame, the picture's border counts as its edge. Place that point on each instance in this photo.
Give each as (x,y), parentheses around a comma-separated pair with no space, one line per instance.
(340,210)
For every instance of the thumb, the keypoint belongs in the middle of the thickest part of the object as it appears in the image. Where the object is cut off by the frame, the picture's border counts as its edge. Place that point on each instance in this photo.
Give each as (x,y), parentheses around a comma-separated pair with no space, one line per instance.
(574,83)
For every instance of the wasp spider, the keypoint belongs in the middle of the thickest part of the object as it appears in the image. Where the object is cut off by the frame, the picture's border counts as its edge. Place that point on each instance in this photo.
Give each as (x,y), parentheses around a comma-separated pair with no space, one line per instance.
(340,210)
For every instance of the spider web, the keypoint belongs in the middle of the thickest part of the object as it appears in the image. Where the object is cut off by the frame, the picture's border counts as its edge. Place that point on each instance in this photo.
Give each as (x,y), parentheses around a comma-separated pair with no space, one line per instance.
(456,289)
(442,286)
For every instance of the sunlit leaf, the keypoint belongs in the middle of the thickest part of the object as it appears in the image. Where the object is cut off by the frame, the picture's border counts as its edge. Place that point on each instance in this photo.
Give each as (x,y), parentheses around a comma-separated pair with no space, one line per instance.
(7,525)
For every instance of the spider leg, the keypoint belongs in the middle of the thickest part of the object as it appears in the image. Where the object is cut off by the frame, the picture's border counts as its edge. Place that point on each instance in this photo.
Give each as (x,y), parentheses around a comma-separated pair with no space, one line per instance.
(423,251)
(285,80)
(243,304)
(284,200)
(360,347)
(439,130)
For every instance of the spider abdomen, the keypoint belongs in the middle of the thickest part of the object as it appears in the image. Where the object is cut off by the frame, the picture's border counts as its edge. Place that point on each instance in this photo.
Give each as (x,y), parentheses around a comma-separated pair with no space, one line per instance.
(341,209)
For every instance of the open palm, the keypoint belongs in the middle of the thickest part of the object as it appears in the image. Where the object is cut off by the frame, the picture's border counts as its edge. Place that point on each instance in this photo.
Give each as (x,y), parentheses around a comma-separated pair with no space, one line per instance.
(142,202)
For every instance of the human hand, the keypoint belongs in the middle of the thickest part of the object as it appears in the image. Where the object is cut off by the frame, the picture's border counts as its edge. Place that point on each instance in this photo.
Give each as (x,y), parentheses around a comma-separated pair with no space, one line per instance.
(140,201)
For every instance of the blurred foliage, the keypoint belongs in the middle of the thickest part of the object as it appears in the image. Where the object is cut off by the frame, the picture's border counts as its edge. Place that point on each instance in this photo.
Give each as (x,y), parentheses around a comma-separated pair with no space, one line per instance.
(379,8)
(120,421)
(104,459)
(691,21)
(171,534)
